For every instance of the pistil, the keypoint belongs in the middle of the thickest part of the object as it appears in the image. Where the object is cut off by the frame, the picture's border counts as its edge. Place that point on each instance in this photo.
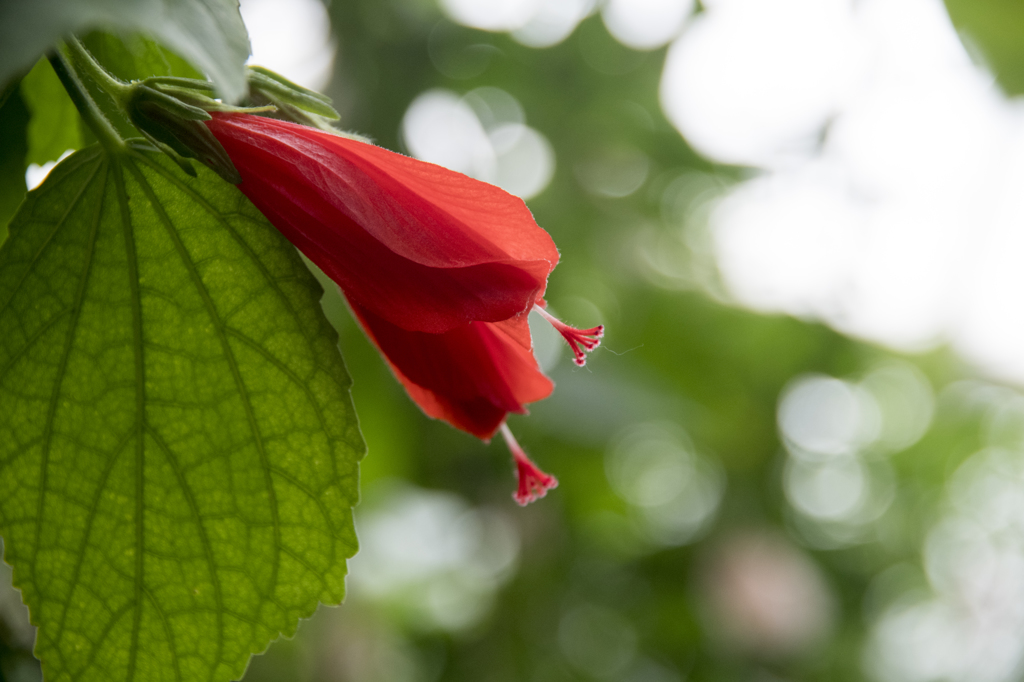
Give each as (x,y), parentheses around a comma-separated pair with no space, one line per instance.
(581,341)
(533,483)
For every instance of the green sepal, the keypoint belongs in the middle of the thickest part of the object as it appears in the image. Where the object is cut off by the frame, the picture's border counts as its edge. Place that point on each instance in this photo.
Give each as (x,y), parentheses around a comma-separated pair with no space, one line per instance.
(176,128)
(173,105)
(281,92)
(189,138)
(186,95)
(284,82)
(179,82)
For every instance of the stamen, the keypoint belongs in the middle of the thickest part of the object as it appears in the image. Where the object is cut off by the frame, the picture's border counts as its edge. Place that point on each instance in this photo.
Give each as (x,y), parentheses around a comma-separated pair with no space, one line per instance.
(589,339)
(533,483)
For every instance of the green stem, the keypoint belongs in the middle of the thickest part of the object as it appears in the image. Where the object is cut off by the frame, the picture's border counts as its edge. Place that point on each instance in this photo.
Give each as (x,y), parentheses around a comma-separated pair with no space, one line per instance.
(85,62)
(85,104)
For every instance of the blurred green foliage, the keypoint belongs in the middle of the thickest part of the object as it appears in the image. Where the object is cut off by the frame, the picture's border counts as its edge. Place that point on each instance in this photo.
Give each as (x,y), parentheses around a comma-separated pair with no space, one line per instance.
(54,127)
(672,354)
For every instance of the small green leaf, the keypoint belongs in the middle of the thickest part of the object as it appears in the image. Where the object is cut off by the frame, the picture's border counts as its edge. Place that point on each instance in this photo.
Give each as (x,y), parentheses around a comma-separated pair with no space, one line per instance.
(995,27)
(178,448)
(208,33)
(55,126)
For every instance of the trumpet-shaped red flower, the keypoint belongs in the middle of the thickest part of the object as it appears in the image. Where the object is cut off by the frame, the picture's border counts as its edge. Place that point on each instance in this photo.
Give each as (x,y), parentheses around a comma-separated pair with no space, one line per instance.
(440,269)
(421,246)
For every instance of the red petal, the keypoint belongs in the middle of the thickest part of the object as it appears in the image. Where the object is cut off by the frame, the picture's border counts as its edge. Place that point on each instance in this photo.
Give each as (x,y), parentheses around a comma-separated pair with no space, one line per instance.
(471,376)
(423,247)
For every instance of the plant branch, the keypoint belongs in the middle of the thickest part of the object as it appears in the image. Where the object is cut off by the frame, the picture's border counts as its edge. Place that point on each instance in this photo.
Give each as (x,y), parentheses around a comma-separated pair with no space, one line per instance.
(85,62)
(84,102)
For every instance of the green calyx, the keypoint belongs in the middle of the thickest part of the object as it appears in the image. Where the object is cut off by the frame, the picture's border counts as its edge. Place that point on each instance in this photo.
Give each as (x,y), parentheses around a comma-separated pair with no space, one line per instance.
(170,112)
(292,102)
(280,90)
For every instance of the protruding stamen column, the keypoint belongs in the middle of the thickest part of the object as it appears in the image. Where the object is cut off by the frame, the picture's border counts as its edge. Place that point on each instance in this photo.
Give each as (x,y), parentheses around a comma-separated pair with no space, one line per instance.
(581,341)
(533,483)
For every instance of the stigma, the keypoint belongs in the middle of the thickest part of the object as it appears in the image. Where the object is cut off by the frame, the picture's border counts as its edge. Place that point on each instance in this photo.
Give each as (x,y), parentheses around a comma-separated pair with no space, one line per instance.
(533,483)
(581,341)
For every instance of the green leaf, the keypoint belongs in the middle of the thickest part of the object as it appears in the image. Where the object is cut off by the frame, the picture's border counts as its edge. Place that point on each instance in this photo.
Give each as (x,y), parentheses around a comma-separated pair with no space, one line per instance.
(995,27)
(178,448)
(208,33)
(135,57)
(55,126)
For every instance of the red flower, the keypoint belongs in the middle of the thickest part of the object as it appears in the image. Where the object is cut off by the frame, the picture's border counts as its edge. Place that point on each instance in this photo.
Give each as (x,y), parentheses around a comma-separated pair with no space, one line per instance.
(423,247)
(440,269)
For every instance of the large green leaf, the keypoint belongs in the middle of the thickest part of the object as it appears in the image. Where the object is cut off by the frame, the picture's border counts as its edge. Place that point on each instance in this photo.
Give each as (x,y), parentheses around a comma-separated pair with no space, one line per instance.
(208,33)
(178,449)
(996,27)
(134,57)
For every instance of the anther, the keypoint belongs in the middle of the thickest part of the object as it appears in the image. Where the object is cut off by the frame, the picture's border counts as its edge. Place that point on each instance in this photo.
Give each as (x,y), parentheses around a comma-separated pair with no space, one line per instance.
(533,483)
(581,341)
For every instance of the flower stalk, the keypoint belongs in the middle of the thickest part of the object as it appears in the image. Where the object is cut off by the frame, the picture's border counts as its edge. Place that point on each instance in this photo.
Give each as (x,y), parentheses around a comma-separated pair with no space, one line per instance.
(87,64)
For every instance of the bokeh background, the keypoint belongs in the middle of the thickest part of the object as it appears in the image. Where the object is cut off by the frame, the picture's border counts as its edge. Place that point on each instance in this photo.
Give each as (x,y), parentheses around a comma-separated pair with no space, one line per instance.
(799,454)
